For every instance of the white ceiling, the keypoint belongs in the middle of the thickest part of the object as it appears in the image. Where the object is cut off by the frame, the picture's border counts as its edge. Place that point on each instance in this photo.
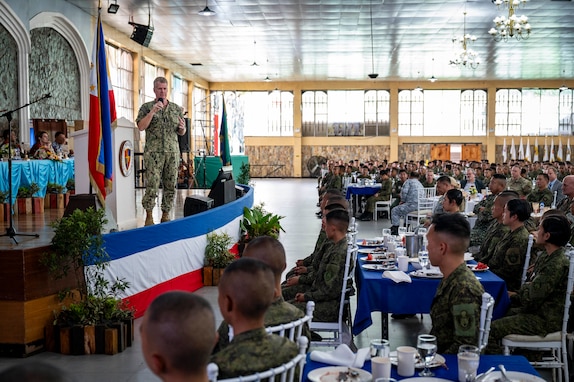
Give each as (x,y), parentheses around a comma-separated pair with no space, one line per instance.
(309,40)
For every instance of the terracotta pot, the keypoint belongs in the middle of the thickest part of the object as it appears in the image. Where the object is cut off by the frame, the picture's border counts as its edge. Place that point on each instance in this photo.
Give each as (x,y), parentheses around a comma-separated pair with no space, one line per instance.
(37,205)
(24,206)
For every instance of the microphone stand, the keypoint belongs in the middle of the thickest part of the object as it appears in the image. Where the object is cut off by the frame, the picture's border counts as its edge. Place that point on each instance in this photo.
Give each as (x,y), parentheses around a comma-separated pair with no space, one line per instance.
(10,231)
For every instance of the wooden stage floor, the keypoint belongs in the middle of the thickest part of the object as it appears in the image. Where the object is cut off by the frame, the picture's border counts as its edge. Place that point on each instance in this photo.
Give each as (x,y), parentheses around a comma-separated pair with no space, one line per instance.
(40,223)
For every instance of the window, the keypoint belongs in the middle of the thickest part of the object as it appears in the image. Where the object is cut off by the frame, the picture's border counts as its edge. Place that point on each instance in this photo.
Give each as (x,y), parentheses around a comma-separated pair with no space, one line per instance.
(121,70)
(151,72)
(179,91)
(473,113)
(508,112)
(377,113)
(200,121)
(411,112)
(314,113)
(566,107)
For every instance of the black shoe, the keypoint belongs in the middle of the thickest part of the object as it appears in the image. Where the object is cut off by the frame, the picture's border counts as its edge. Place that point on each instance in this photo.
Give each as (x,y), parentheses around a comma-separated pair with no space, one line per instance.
(318,213)
(319,204)
(394,230)
(319,216)
(402,316)
(366,216)
(316,337)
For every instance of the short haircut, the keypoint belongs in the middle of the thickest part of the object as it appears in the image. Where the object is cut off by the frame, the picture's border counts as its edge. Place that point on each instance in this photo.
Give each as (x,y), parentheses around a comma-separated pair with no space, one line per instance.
(338,199)
(332,191)
(35,371)
(499,177)
(519,207)
(505,196)
(251,285)
(335,206)
(454,195)
(545,176)
(58,134)
(558,227)
(339,218)
(414,174)
(456,227)
(182,326)
(39,134)
(443,179)
(268,250)
(159,80)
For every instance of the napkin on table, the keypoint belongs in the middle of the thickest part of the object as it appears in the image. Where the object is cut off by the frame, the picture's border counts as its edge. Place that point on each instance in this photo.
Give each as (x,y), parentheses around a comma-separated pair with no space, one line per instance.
(341,356)
(397,276)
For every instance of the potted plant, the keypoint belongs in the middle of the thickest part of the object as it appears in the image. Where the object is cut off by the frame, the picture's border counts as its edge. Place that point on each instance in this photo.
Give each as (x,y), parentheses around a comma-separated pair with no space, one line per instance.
(71,186)
(96,306)
(54,196)
(26,202)
(4,206)
(258,222)
(244,175)
(217,257)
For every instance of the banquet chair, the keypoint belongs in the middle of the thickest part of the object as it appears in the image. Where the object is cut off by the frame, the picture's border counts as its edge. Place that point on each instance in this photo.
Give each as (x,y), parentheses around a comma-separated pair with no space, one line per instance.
(383,206)
(340,330)
(425,204)
(284,373)
(294,329)
(554,342)
(527,259)
(485,319)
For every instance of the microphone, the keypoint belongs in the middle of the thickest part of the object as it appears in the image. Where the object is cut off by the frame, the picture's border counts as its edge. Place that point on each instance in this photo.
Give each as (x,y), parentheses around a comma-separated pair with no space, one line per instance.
(160,100)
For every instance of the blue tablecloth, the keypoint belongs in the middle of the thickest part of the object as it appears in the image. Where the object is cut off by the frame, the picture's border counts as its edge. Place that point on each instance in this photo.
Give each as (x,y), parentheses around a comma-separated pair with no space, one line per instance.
(511,362)
(41,172)
(362,190)
(378,294)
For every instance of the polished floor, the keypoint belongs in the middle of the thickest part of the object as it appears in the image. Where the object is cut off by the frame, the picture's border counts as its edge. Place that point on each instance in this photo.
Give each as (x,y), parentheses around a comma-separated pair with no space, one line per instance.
(295,199)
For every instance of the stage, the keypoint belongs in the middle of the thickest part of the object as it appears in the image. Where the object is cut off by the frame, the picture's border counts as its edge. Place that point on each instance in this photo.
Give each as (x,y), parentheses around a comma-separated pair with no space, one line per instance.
(152,259)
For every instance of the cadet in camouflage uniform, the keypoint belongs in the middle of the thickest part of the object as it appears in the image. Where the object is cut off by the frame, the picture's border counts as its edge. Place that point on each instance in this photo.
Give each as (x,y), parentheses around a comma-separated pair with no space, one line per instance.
(483,211)
(177,335)
(246,290)
(568,190)
(383,194)
(455,310)
(508,259)
(326,288)
(398,186)
(271,252)
(517,183)
(538,306)
(163,122)
(541,194)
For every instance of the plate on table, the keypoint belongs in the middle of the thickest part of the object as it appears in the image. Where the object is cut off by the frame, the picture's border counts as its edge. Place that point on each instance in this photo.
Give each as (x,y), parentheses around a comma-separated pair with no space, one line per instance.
(468,256)
(372,250)
(437,361)
(370,243)
(426,275)
(331,374)
(513,376)
(379,267)
(374,259)
(478,267)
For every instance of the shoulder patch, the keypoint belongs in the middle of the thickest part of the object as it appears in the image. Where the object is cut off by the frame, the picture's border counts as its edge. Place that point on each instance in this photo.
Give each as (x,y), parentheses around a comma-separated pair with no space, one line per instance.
(465,324)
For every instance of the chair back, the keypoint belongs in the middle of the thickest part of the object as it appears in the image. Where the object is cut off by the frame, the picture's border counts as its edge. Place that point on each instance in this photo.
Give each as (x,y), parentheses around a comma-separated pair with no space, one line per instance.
(485,318)
(527,259)
(294,329)
(554,200)
(429,192)
(284,373)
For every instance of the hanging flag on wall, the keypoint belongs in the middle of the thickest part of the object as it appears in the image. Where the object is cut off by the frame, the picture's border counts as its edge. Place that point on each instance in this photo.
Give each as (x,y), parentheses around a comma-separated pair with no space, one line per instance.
(536,157)
(504,151)
(521,150)
(559,153)
(551,157)
(102,116)
(568,152)
(512,150)
(546,152)
(224,151)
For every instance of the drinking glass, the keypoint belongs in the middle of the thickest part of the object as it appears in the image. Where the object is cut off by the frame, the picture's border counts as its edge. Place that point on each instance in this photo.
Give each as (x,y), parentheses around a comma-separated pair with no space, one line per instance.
(424,259)
(402,231)
(426,346)
(468,358)
(380,348)
(386,232)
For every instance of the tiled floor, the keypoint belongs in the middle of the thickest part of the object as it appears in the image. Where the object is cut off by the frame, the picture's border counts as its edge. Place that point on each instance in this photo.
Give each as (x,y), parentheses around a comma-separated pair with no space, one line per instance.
(294,199)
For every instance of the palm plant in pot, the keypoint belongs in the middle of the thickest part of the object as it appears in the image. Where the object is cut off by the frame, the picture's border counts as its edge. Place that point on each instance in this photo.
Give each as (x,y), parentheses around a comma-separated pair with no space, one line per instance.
(217,257)
(258,222)
(94,305)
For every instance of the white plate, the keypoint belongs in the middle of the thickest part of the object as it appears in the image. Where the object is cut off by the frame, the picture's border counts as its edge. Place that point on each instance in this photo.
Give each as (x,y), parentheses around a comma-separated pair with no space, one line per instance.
(472,267)
(468,256)
(378,250)
(379,267)
(315,375)
(377,258)
(426,275)
(514,376)
(370,243)
(425,379)
(438,361)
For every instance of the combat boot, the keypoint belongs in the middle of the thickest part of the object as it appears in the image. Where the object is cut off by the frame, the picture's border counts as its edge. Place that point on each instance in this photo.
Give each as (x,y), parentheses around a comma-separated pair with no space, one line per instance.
(148,217)
(165,217)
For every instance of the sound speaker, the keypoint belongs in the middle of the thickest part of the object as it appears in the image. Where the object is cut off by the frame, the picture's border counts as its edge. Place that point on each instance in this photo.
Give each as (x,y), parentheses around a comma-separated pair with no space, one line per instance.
(142,34)
(196,204)
(81,202)
(183,140)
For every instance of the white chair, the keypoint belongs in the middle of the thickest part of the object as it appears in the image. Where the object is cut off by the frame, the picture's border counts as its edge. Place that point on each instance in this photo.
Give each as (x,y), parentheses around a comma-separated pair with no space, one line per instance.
(294,329)
(340,329)
(554,200)
(382,206)
(554,342)
(425,205)
(284,373)
(485,319)
(527,259)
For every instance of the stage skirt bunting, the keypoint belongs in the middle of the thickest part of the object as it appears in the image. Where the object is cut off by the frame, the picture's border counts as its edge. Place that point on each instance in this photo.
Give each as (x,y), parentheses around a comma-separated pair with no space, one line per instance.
(168,256)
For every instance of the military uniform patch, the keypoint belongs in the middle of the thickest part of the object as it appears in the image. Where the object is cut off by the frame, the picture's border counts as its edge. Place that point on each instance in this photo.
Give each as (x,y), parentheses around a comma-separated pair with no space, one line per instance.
(464,320)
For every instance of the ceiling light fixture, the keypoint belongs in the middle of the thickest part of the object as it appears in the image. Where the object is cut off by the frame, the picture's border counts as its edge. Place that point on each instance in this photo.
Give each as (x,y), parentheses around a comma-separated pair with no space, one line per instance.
(465,57)
(418,87)
(513,26)
(206,11)
(564,86)
(373,75)
(433,78)
(267,79)
(254,54)
(113,8)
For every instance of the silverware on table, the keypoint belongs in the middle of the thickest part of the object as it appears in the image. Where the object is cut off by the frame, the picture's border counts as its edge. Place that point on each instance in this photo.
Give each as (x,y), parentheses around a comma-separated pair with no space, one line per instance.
(503,372)
(482,376)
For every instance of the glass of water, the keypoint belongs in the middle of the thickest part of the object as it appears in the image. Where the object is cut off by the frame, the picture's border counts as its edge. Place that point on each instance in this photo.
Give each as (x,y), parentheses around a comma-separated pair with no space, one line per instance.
(468,359)
(386,232)
(424,259)
(426,346)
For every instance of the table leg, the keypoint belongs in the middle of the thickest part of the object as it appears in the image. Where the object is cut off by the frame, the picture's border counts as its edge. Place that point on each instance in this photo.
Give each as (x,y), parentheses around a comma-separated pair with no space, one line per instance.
(384,325)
